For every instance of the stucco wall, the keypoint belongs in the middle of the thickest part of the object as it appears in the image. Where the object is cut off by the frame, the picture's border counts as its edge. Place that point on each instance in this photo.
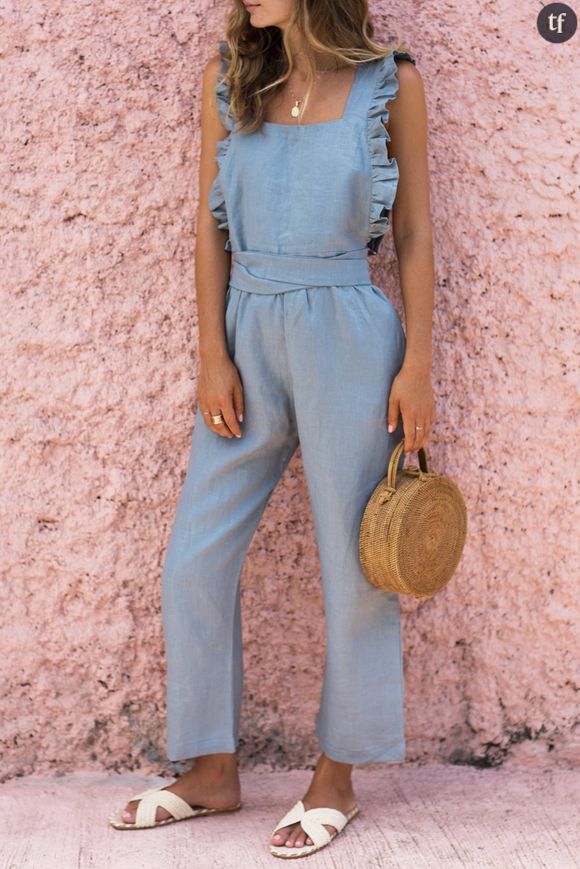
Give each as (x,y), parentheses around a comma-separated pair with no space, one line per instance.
(99,158)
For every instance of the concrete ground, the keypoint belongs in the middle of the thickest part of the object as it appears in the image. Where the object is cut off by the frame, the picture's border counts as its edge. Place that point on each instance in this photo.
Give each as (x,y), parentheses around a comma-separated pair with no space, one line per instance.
(412,817)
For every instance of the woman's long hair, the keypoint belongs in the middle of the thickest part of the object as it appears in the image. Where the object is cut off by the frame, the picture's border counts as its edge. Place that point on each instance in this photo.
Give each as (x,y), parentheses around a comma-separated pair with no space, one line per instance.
(259,57)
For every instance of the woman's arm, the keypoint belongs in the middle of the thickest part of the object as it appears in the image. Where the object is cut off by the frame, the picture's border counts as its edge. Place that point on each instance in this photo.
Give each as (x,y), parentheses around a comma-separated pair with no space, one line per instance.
(411,391)
(219,388)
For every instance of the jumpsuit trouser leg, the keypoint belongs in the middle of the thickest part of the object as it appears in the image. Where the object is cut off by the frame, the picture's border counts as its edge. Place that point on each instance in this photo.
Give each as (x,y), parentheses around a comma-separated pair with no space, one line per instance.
(226,488)
(345,346)
(316,366)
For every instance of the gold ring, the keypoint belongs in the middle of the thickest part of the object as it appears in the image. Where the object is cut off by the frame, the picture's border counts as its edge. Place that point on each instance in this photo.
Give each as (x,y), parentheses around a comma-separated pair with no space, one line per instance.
(216,418)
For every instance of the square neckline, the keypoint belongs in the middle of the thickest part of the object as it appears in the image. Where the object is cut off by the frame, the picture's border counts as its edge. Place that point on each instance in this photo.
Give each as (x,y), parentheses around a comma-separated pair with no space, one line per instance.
(343,117)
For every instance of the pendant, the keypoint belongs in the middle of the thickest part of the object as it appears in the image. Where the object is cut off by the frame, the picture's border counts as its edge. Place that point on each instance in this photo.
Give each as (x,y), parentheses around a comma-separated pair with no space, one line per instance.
(295,110)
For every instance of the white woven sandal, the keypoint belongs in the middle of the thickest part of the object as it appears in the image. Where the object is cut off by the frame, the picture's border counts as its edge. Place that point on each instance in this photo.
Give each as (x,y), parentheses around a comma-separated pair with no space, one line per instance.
(147,808)
(312,821)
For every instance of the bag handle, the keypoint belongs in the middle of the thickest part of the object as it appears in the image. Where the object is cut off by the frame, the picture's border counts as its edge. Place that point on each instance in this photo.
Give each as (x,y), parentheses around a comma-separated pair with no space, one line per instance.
(394,460)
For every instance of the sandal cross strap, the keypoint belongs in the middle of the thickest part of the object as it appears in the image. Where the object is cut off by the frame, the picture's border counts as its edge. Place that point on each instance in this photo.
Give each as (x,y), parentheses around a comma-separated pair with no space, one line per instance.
(312,822)
(151,799)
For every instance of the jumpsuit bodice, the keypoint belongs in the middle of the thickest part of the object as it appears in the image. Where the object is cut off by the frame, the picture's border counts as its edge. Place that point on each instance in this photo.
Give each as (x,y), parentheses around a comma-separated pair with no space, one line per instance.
(306,204)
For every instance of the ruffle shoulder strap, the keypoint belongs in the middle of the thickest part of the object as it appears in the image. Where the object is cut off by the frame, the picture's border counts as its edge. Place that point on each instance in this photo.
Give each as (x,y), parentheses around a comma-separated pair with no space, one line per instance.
(216,199)
(385,172)
(222,90)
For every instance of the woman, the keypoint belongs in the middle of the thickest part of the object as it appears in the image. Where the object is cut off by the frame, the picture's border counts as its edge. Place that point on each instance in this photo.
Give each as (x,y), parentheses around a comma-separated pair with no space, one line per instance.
(297,346)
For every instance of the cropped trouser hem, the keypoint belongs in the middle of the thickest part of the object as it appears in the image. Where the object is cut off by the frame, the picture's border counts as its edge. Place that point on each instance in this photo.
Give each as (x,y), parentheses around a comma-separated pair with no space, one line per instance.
(393,753)
(185,751)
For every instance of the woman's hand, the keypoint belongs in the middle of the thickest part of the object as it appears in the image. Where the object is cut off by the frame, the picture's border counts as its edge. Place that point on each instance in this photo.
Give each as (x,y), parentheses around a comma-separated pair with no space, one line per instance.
(412,395)
(220,390)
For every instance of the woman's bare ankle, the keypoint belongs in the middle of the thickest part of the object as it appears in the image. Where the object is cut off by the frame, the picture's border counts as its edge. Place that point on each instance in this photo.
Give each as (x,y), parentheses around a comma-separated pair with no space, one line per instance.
(219,764)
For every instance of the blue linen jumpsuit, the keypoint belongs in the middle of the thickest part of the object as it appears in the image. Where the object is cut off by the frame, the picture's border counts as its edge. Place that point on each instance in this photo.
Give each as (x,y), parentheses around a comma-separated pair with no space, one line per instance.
(317,346)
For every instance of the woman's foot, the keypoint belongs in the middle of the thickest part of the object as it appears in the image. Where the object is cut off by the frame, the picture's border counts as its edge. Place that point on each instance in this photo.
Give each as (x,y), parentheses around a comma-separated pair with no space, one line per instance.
(212,782)
(331,786)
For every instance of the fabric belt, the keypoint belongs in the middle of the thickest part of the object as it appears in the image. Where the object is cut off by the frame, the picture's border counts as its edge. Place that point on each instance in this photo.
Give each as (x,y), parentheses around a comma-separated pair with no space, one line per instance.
(262,272)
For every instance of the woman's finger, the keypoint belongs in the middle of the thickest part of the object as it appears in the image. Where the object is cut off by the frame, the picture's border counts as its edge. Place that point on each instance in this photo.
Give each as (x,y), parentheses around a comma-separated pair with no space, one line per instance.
(392,412)
(419,435)
(218,427)
(239,403)
(229,414)
(409,431)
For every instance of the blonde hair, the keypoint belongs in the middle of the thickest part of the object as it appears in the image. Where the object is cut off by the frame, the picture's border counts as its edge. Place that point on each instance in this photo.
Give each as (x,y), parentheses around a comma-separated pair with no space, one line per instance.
(260,61)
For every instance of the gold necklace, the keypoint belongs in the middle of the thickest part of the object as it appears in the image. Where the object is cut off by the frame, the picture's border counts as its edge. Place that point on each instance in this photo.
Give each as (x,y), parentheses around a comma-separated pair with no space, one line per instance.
(296,108)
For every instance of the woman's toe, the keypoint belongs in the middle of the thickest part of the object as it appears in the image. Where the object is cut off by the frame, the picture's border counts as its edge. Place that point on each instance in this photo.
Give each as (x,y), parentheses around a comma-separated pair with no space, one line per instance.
(295,835)
(300,839)
(291,837)
(279,838)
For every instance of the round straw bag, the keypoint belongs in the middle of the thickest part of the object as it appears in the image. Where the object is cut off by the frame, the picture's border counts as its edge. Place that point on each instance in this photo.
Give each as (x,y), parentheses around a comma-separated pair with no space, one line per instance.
(413,529)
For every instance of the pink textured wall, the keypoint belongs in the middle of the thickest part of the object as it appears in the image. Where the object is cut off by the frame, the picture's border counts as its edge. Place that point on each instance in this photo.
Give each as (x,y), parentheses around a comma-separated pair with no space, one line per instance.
(100,148)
